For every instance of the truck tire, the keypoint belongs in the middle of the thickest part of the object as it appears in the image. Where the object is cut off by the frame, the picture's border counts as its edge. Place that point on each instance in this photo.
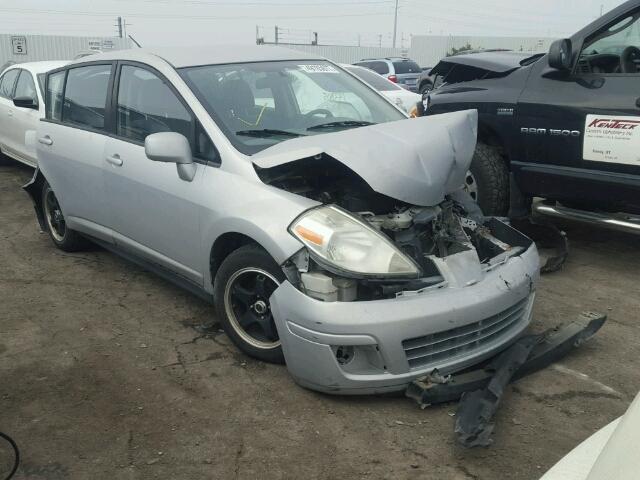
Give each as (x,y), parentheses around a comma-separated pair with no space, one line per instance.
(425,87)
(491,176)
(242,288)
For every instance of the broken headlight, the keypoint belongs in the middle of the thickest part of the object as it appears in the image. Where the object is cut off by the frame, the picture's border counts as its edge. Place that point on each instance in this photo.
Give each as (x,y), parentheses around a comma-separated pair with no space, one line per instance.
(337,239)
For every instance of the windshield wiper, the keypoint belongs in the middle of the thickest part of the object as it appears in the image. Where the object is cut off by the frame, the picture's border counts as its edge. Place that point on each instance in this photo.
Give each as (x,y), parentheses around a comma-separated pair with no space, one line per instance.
(343,123)
(268,132)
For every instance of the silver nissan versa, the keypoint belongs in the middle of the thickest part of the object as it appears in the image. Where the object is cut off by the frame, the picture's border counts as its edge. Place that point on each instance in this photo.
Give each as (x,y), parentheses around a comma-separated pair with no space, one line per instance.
(329,231)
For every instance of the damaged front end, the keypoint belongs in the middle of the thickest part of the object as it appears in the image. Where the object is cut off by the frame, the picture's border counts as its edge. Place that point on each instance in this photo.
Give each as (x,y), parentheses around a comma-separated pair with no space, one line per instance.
(393,282)
(449,243)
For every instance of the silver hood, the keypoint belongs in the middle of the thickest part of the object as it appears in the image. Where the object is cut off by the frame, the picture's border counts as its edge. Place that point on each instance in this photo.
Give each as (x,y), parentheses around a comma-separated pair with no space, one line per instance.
(416,161)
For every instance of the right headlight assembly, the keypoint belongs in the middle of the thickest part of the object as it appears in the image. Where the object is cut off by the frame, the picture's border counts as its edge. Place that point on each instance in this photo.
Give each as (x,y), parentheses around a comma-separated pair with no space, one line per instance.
(337,239)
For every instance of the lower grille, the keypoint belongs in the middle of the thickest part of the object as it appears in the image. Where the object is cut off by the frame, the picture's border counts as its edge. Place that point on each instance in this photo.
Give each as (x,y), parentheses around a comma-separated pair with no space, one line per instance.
(445,345)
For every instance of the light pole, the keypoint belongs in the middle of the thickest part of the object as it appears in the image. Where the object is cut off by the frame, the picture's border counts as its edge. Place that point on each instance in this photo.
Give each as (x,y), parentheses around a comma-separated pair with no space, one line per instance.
(395,24)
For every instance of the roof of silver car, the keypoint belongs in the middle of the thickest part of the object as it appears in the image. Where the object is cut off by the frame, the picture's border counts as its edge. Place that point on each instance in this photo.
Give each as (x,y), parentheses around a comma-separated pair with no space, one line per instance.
(209,55)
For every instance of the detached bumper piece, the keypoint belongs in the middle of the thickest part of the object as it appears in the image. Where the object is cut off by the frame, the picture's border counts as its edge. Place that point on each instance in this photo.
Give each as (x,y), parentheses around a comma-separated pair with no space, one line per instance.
(547,236)
(481,390)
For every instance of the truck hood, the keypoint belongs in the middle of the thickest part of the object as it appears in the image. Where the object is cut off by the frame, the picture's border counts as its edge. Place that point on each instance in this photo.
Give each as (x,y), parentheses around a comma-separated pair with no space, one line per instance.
(498,62)
(416,161)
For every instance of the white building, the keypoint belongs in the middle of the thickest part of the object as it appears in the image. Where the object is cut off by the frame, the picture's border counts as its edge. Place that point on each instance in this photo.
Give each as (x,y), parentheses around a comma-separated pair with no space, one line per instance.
(30,48)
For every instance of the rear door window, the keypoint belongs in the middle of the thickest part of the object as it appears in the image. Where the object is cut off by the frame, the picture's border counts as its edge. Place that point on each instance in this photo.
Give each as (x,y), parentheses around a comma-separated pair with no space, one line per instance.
(85,96)
(26,86)
(406,66)
(7,83)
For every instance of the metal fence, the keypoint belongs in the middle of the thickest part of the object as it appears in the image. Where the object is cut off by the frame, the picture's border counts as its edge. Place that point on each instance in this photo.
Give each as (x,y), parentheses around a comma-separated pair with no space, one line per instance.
(426,50)
(344,54)
(31,48)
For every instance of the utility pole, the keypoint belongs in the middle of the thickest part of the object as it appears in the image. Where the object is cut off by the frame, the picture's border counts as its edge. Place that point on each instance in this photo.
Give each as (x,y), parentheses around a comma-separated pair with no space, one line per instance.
(395,24)
(315,38)
(276,30)
(601,9)
(380,40)
(119,25)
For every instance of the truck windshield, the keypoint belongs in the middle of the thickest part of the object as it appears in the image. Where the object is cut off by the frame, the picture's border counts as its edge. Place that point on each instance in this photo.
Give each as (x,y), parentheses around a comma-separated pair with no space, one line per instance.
(260,104)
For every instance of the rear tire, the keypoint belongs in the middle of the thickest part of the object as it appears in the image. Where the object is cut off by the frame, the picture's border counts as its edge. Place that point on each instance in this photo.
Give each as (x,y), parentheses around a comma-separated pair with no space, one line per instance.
(242,288)
(61,235)
(491,176)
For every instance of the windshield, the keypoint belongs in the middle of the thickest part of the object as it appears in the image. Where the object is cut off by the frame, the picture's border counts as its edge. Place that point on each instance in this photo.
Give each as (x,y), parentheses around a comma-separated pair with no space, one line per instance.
(260,104)
(372,78)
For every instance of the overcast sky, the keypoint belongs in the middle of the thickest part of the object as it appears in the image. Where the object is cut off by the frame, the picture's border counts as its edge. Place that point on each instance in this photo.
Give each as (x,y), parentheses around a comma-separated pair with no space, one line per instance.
(193,22)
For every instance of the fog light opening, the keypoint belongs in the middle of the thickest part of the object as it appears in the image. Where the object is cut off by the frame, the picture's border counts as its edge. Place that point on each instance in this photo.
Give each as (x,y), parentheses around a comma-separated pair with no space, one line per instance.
(344,355)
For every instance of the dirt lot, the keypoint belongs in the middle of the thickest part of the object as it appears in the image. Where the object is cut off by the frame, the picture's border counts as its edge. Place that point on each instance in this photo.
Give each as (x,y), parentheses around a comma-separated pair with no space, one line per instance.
(102,376)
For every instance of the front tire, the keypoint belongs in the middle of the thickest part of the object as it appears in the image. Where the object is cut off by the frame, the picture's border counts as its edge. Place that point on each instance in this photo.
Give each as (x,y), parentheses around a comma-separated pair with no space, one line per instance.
(488,180)
(242,288)
(61,235)
(425,88)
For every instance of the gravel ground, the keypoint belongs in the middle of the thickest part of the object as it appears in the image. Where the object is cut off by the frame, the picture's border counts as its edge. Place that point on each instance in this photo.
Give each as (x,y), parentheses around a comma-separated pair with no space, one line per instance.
(103,376)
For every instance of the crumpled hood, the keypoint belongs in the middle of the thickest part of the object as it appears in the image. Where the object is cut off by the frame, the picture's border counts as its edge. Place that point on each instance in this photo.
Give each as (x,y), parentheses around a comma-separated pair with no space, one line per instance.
(417,161)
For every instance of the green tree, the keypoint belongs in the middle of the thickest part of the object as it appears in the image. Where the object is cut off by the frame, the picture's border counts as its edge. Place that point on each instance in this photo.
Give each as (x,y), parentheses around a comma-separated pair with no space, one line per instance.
(464,48)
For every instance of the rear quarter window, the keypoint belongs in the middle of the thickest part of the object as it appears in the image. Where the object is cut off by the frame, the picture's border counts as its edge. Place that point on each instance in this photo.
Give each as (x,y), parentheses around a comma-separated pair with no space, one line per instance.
(379,67)
(406,67)
(53,96)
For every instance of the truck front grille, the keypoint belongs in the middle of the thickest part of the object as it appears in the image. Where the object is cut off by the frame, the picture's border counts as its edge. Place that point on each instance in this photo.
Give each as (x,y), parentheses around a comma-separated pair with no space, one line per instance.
(448,344)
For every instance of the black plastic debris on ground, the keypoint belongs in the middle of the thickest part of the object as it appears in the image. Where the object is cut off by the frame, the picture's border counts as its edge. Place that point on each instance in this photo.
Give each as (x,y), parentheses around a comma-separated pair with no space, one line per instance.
(482,388)
(547,236)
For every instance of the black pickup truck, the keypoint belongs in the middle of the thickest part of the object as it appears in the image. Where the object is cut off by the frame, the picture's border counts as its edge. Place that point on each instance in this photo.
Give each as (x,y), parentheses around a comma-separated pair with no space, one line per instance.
(564,126)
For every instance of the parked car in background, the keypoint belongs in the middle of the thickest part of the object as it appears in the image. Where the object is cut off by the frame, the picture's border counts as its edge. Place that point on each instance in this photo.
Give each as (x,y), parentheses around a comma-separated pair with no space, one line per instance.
(564,126)
(401,97)
(297,199)
(425,81)
(21,107)
(403,71)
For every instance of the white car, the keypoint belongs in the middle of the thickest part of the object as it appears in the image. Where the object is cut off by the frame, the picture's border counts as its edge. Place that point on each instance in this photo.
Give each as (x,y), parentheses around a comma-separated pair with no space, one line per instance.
(399,96)
(610,453)
(21,107)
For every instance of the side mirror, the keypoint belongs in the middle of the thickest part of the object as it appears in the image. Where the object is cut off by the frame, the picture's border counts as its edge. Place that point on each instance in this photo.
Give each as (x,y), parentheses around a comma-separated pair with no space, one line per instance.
(560,55)
(26,102)
(171,147)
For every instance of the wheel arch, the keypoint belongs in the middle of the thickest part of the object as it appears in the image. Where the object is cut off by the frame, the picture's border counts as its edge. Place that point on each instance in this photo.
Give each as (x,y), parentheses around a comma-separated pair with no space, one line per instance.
(489,135)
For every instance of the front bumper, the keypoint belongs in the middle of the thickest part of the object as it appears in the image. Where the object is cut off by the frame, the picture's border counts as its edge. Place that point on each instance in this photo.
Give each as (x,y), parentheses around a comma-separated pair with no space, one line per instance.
(391,342)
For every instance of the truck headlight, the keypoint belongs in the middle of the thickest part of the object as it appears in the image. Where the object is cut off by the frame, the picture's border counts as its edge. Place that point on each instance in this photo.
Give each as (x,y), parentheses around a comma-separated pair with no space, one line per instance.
(337,239)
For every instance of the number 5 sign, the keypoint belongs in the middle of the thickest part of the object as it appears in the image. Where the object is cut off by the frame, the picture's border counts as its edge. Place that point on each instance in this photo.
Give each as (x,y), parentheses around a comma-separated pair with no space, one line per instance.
(19,45)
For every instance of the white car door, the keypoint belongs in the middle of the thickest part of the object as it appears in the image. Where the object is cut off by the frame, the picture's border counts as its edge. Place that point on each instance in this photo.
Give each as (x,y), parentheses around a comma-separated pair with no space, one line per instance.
(7,84)
(155,214)
(21,130)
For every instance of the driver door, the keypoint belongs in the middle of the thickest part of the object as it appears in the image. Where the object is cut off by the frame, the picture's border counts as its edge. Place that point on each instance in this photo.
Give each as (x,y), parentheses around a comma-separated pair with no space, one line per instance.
(580,130)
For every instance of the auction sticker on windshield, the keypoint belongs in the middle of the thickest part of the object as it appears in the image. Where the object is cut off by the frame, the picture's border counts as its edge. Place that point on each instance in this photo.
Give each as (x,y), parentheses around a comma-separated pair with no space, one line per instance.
(317,68)
(613,139)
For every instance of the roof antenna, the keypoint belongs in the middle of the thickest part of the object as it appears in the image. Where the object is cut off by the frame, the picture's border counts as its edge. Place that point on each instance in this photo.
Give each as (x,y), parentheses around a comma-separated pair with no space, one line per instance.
(134,41)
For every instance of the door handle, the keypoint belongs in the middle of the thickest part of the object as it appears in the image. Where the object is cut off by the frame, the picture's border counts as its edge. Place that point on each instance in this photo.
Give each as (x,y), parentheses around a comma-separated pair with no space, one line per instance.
(115,160)
(46,140)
